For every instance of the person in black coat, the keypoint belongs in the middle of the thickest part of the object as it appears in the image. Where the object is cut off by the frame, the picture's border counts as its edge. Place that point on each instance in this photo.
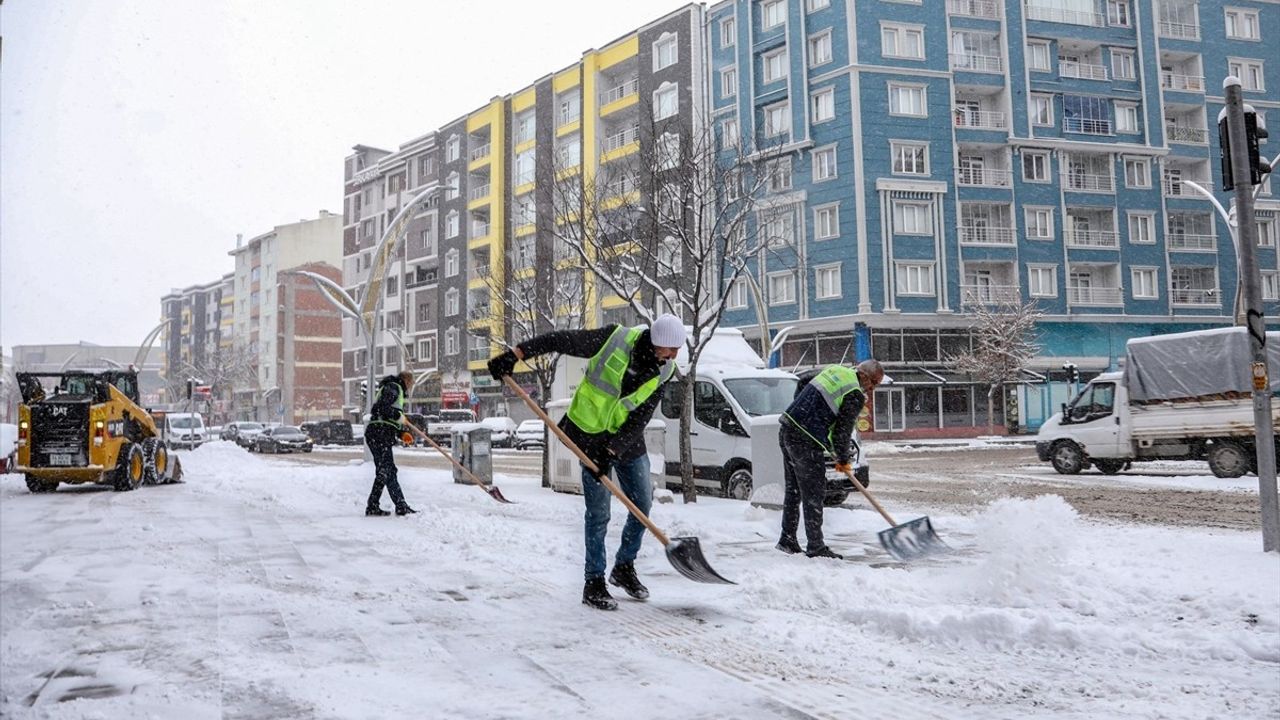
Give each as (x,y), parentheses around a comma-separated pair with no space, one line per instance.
(384,430)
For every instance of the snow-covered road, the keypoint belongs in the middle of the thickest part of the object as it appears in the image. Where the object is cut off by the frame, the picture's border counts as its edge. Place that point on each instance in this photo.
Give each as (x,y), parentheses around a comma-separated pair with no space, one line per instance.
(258,589)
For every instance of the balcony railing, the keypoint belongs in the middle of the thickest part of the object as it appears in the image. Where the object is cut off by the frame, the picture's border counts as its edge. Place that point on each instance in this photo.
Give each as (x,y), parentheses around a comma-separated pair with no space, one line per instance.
(976,63)
(974,8)
(478,191)
(621,186)
(1184,134)
(1177,187)
(983,177)
(481,151)
(1086,182)
(1093,239)
(479,229)
(986,235)
(1189,83)
(477,272)
(564,117)
(1186,31)
(478,312)
(620,139)
(989,294)
(476,354)
(1195,296)
(1084,71)
(981,119)
(616,93)
(1070,17)
(1087,126)
(1094,296)
(1190,241)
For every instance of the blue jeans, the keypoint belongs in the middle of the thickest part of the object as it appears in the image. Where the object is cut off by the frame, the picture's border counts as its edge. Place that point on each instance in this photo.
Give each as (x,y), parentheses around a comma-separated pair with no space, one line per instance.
(632,477)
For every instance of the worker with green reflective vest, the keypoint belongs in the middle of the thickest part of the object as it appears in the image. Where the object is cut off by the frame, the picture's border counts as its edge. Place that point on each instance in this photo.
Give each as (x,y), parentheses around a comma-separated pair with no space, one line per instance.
(383,432)
(819,422)
(606,419)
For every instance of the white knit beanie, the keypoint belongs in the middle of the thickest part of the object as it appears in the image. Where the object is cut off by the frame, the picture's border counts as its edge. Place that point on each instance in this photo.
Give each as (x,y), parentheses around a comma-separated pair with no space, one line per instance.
(667,332)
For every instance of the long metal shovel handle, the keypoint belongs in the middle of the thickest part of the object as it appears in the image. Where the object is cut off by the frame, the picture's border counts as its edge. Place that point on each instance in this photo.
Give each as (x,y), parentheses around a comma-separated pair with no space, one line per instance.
(862,488)
(492,490)
(604,480)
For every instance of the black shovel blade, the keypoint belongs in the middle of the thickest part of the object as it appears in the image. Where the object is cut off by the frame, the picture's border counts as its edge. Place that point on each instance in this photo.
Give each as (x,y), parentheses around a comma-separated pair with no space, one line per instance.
(496,494)
(685,554)
(912,540)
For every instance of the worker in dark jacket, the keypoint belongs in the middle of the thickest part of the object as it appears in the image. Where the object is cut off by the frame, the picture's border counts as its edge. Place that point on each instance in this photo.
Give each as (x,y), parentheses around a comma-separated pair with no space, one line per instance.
(819,422)
(385,429)
(606,420)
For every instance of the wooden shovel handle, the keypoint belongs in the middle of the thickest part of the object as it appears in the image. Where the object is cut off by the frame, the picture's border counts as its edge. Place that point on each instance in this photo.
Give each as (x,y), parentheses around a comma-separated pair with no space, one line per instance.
(604,479)
(866,492)
(477,481)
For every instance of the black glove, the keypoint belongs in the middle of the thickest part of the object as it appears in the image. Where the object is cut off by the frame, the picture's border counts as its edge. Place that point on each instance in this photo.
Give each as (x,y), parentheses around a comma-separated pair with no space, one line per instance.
(502,365)
(603,459)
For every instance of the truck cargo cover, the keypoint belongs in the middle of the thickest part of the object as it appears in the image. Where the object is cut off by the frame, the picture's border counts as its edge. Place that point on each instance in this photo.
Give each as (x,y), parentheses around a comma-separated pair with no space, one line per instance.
(1195,364)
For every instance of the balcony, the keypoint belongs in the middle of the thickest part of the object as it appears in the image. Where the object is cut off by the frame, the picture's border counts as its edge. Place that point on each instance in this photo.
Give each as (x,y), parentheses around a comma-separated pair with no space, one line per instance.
(986,235)
(620,187)
(479,191)
(479,229)
(477,354)
(1095,296)
(989,9)
(1069,17)
(1178,30)
(1193,242)
(478,272)
(481,151)
(1105,239)
(621,139)
(1194,296)
(1086,182)
(977,63)
(568,115)
(1185,134)
(1186,83)
(616,93)
(982,177)
(989,294)
(1177,187)
(980,119)
(1087,126)
(479,312)
(1083,71)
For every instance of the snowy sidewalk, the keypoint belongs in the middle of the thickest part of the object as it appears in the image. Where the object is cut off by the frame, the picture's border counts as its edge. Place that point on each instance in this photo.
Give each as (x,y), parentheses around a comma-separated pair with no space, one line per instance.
(257,589)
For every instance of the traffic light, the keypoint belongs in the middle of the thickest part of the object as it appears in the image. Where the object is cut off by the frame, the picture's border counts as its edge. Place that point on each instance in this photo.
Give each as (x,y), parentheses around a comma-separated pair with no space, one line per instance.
(1073,372)
(191,384)
(364,390)
(1254,133)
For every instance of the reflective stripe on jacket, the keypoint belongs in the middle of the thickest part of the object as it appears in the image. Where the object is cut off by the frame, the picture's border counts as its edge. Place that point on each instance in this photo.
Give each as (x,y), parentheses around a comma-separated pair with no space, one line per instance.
(815,409)
(598,405)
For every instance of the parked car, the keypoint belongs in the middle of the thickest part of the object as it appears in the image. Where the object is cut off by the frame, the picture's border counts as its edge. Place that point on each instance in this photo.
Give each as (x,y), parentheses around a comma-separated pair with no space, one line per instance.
(282,438)
(329,432)
(215,432)
(242,431)
(357,433)
(8,446)
(502,431)
(184,430)
(531,434)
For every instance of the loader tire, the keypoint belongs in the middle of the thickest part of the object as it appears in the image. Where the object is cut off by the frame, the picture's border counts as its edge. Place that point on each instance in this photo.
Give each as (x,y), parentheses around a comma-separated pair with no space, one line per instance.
(1067,458)
(131,470)
(1228,460)
(157,461)
(36,485)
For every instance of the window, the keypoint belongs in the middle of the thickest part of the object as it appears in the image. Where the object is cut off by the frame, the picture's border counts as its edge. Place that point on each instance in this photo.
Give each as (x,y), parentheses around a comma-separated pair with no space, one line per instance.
(524,171)
(1086,114)
(915,278)
(779,174)
(427,238)
(569,108)
(737,294)
(526,127)
(1042,280)
(452,186)
(665,102)
(826,280)
(902,41)
(1242,24)
(782,288)
(907,100)
(1142,229)
(1035,166)
(1123,64)
(451,302)
(826,222)
(729,134)
(728,82)
(815,5)
(452,149)
(1042,110)
(1118,13)
(665,52)
(451,224)
(1137,173)
(451,345)
(426,166)
(728,31)
(1249,72)
(427,350)
(824,163)
(1038,55)
(1039,223)
(1266,233)
(777,119)
(1270,285)
(772,13)
(1143,283)
(1126,117)
(779,229)
(909,158)
(451,263)
(823,104)
(820,49)
(568,155)
(774,65)
(912,218)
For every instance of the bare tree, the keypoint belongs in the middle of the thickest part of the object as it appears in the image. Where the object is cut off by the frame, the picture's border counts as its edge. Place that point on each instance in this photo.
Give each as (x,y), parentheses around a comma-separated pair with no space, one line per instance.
(670,227)
(1005,339)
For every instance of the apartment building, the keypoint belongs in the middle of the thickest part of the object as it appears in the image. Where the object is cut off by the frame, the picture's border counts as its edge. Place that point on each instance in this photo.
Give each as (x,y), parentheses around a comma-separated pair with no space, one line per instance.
(939,156)
(196,335)
(489,223)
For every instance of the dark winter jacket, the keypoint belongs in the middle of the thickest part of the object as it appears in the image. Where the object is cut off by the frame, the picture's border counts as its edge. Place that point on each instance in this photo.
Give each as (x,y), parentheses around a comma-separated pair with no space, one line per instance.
(628,442)
(809,411)
(384,418)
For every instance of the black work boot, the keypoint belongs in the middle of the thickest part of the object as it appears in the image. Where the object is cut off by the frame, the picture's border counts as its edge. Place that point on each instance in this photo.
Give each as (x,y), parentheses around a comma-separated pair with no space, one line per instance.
(375,511)
(405,510)
(789,545)
(596,594)
(825,552)
(624,576)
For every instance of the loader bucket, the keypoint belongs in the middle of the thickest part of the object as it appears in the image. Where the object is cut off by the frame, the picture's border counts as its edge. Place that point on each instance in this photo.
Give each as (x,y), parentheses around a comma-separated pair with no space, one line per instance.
(174,473)
(685,554)
(913,539)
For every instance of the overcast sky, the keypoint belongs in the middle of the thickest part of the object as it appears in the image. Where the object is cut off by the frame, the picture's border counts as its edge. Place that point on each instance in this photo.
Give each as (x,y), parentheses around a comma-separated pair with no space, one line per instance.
(137,137)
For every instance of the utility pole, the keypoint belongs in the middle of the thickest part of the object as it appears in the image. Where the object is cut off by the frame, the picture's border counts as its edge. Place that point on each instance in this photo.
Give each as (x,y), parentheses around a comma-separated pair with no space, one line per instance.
(1240,168)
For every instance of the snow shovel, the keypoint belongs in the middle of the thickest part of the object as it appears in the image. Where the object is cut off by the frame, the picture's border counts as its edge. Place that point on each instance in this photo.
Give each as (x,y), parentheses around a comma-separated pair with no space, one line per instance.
(684,553)
(492,490)
(909,541)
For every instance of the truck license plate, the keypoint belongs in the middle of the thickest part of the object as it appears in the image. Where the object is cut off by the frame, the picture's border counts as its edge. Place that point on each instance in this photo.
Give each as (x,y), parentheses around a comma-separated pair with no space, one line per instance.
(60,459)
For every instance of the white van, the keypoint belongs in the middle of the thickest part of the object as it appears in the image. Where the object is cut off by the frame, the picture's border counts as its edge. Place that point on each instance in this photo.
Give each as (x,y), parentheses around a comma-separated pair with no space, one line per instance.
(185,430)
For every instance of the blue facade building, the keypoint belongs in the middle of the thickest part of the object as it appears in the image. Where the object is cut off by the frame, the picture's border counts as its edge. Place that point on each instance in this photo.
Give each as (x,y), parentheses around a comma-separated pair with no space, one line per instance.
(931,156)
